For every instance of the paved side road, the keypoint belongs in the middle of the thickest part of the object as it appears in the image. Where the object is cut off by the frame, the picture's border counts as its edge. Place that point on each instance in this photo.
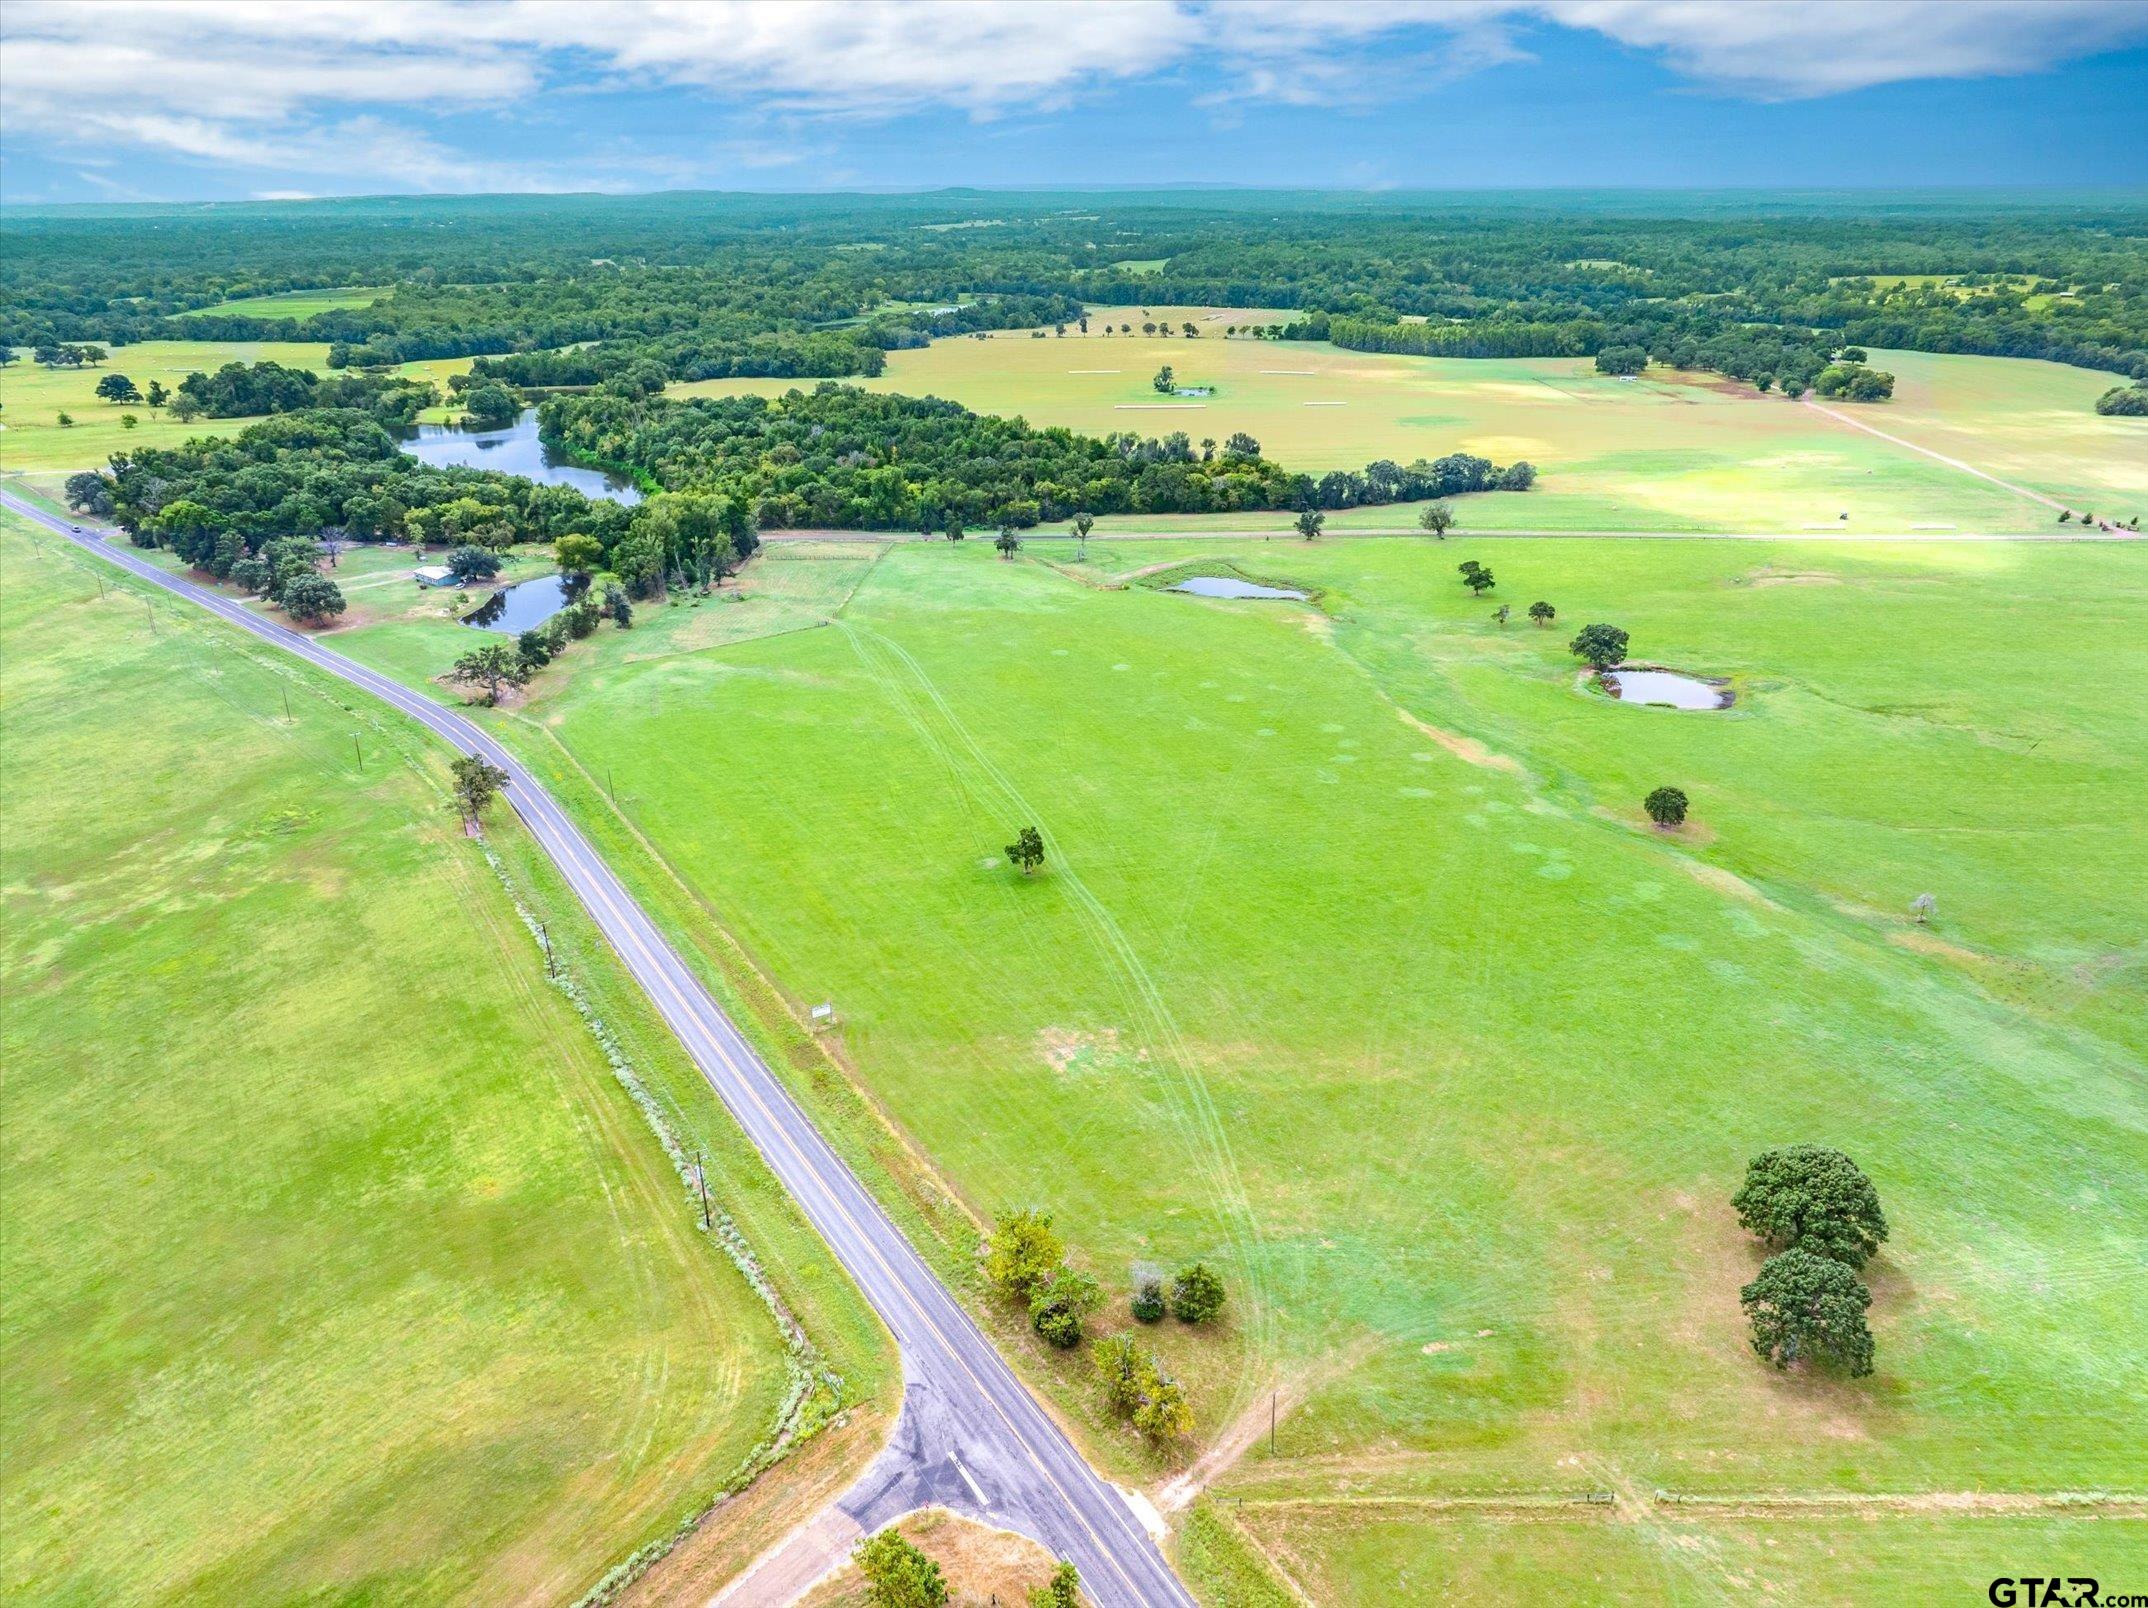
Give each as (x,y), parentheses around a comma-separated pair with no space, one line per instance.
(971,1436)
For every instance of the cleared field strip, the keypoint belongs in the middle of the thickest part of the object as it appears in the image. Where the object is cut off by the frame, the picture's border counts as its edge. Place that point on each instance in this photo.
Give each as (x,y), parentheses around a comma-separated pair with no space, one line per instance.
(1937,457)
(1160,407)
(1290,371)
(1096,371)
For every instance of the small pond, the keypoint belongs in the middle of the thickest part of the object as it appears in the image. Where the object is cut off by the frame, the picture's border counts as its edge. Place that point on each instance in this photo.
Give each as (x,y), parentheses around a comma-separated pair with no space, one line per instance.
(515,450)
(514,609)
(1230,586)
(1665,687)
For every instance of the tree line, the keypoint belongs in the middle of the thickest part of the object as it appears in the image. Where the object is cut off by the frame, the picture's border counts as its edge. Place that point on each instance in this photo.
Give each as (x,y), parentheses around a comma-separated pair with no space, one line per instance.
(840,458)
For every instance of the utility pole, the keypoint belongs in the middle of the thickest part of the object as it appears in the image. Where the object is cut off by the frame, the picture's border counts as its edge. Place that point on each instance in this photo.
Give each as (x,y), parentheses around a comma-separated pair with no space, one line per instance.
(544,937)
(1271,1423)
(614,797)
(287,703)
(359,751)
(701,1182)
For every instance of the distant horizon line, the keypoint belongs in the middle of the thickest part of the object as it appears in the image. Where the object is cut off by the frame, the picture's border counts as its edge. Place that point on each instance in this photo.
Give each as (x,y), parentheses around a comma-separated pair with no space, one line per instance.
(1182,188)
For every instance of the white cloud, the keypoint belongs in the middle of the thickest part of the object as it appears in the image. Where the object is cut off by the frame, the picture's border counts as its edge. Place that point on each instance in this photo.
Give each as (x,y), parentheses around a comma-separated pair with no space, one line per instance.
(1791,49)
(326,85)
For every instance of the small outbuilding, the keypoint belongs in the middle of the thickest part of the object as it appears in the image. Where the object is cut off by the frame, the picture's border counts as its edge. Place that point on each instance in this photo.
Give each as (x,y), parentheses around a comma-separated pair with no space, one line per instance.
(433,575)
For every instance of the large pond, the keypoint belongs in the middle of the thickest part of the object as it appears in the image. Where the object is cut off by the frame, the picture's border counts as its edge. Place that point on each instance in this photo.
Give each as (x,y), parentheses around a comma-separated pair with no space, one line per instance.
(515,450)
(515,609)
(1226,586)
(1665,687)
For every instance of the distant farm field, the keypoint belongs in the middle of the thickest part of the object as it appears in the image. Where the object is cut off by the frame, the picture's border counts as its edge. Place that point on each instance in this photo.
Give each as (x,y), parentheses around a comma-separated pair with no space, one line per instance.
(299,303)
(32,397)
(1666,452)
(1355,969)
(338,1266)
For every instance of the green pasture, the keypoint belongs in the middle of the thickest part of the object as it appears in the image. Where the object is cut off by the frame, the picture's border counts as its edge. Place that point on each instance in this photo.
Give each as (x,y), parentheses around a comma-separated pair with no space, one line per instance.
(1355,969)
(32,397)
(338,1265)
(1667,452)
(2026,421)
(1847,1557)
(299,303)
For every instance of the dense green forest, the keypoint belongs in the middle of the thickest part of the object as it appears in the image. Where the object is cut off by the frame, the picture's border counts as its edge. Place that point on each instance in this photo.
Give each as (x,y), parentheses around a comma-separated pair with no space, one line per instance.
(325,471)
(694,286)
(840,458)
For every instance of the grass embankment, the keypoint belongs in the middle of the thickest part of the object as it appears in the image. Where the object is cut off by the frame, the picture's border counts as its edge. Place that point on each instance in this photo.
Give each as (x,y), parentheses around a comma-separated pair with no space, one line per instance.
(32,397)
(339,1262)
(1669,451)
(1355,970)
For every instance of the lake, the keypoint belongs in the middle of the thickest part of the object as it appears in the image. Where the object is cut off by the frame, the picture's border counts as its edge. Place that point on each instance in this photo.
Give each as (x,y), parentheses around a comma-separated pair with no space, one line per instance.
(516,450)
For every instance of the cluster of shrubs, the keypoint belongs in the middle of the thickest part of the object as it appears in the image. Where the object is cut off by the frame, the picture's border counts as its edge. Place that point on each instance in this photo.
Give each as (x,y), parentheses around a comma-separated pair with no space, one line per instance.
(1821,1215)
(1025,1261)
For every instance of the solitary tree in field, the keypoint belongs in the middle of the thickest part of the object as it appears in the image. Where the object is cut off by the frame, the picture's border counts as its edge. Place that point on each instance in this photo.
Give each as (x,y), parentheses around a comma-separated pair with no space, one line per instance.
(118,388)
(1437,518)
(1503,614)
(1191,329)
(1027,850)
(468,564)
(1197,1293)
(1922,907)
(1083,524)
(313,599)
(897,1575)
(1805,1306)
(1542,613)
(955,530)
(65,421)
(1165,383)
(1309,523)
(1007,542)
(1666,806)
(477,783)
(1812,1198)
(494,667)
(1479,580)
(1601,645)
(157,396)
(1148,1304)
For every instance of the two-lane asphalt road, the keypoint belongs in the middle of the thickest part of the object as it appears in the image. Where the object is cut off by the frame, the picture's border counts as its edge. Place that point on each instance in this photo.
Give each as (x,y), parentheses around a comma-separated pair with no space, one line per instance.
(966,1412)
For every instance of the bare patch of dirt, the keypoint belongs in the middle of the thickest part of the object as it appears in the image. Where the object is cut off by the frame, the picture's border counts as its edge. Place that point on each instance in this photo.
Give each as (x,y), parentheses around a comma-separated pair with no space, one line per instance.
(1245,1431)
(1467,749)
(982,1565)
(1768,575)
(1070,1051)
(1729,882)
(1927,942)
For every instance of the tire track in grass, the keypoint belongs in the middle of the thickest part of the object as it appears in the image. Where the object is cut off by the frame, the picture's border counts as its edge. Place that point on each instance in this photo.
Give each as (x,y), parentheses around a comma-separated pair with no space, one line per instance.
(1195,1110)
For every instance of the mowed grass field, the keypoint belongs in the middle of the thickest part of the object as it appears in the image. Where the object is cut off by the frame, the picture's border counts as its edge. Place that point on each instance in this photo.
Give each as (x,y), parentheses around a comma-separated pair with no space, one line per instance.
(299,303)
(1356,970)
(337,1265)
(1670,451)
(32,397)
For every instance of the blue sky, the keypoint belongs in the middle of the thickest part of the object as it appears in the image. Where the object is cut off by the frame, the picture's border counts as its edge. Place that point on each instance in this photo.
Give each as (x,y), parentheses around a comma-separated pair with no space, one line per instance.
(203,99)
